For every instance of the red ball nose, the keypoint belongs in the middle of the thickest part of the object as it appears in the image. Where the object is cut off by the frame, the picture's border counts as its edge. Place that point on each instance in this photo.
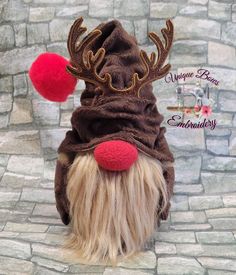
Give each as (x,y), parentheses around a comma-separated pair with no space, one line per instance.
(115,155)
(50,78)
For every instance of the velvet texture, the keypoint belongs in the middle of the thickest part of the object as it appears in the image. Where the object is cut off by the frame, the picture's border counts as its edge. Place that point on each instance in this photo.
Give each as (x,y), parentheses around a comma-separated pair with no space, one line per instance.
(115,116)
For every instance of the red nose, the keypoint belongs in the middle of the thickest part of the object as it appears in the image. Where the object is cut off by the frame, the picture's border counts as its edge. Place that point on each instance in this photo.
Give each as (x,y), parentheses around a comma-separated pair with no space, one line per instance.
(115,155)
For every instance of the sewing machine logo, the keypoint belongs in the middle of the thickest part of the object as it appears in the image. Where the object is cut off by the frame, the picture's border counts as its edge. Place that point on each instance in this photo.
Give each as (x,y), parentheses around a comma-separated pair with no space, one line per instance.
(200,109)
(202,106)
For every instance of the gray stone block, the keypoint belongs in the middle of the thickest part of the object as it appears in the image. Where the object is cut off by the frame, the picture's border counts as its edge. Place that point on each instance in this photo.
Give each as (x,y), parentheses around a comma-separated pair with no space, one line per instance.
(8,197)
(219,163)
(47,220)
(140,27)
(163,10)
(38,195)
(219,11)
(165,248)
(53,265)
(45,112)
(6,37)
(49,1)
(234,120)
(26,165)
(46,238)
(15,10)
(207,250)
(232,143)
(37,33)
(229,33)
(187,169)
(5,103)
(49,252)
(77,2)
(179,265)
(122,271)
(223,223)
(131,8)
(215,56)
(4,121)
(222,119)
(17,181)
(215,263)
(128,26)
(59,48)
(218,182)
(175,237)
(179,203)
(191,227)
(194,11)
(49,169)
(102,8)
(51,138)
(72,12)
(47,210)
(156,26)
(40,14)
(6,84)
(229,200)
(3,159)
(25,227)
(20,85)
(143,260)
(188,217)
(15,249)
(21,112)
(227,101)
(218,146)
(20,34)
(218,132)
(65,119)
(188,189)
(25,57)
(91,23)
(192,47)
(20,142)
(215,237)
(185,27)
(205,202)
(68,104)
(188,59)
(12,265)
(190,140)
(198,2)
(59,29)
(221,212)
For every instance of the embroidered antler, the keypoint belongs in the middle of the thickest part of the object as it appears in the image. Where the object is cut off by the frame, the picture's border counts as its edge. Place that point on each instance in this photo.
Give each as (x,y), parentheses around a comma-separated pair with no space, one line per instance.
(86,67)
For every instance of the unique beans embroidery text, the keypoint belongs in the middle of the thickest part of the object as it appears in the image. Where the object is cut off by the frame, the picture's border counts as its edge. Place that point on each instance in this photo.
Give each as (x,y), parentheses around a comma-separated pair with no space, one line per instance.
(203,74)
(176,121)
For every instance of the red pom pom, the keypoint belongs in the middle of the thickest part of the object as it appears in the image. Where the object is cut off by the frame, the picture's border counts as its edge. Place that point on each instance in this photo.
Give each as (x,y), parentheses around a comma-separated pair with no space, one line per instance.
(50,78)
(115,155)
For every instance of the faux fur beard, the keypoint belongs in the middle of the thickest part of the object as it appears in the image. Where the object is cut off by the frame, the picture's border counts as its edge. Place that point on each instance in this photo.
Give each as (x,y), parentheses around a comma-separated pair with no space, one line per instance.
(113,214)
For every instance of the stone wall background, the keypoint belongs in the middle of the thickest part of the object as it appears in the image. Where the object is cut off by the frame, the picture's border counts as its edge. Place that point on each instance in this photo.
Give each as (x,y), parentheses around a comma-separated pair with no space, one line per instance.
(199,235)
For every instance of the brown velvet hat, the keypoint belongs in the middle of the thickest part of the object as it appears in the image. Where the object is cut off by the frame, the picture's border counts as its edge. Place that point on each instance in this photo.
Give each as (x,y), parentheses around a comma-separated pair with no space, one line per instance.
(118,102)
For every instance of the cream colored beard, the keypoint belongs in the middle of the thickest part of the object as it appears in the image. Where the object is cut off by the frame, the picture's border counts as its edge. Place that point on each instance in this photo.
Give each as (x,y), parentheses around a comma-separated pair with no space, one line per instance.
(113,214)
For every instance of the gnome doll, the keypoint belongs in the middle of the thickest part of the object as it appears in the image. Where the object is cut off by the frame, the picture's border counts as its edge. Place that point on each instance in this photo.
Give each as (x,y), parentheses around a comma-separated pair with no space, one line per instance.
(114,175)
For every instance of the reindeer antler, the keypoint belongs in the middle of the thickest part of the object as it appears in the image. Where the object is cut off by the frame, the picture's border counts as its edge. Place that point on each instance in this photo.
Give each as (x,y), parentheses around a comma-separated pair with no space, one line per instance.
(88,70)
